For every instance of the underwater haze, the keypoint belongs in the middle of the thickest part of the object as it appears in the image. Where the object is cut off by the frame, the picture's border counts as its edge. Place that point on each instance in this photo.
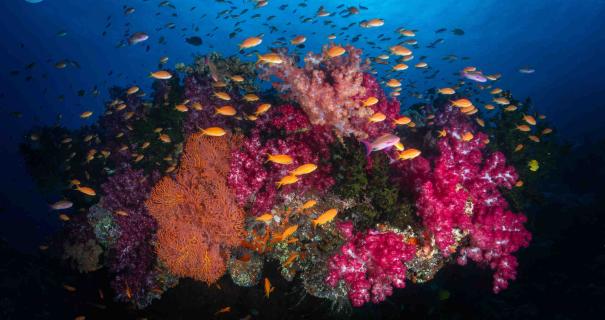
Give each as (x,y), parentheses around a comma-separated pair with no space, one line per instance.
(274,159)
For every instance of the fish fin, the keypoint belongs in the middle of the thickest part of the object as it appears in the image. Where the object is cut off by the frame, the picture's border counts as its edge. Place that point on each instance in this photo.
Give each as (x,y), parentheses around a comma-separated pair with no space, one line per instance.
(368,146)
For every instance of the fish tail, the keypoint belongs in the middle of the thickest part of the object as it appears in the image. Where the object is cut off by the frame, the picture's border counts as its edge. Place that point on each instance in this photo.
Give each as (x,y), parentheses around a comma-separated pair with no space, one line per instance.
(368,146)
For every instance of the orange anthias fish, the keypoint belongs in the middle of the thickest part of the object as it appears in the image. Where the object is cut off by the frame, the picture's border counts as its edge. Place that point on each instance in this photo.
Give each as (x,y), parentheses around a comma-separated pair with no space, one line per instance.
(262,109)
(161,75)
(336,51)
(226,111)
(370,101)
(467,136)
(289,179)
(288,232)
(87,191)
(266,217)
(214,132)
(308,205)
(304,169)
(409,154)
(290,259)
(268,288)
(250,43)
(280,158)
(325,217)
(223,310)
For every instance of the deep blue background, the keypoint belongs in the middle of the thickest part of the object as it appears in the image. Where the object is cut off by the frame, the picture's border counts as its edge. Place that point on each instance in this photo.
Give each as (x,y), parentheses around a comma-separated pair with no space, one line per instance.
(563,40)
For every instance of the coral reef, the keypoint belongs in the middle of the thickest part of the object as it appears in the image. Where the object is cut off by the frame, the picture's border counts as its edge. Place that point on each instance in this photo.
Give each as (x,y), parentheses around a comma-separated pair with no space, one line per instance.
(199,220)
(84,256)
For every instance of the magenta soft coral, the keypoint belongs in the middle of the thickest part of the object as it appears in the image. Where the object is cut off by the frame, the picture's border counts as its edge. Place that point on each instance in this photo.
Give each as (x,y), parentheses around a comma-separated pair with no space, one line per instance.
(370,263)
(254,179)
(463,192)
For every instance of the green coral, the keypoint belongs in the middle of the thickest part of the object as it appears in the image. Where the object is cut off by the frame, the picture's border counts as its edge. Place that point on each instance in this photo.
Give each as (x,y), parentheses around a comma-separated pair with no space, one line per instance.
(377,198)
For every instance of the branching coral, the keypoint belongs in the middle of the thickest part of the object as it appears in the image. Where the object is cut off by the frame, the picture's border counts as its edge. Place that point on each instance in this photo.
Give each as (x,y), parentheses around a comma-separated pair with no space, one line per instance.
(254,180)
(331,91)
(199,220)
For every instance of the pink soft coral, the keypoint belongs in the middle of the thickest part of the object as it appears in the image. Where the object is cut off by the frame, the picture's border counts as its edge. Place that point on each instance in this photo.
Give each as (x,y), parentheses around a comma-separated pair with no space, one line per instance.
(370,263)
(331,91)
(254,179)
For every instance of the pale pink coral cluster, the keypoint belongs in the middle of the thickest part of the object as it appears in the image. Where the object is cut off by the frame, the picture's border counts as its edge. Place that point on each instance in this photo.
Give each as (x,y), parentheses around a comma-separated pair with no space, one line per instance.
(370,263)
(331,91)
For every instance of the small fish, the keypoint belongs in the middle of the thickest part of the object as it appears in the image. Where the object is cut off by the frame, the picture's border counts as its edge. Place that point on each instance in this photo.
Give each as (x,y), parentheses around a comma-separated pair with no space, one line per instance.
(280,158)
(446,91)
(161,75)
(480,122)
(527,70)
(132,90)
(534,139)
(519,147)
(288,232)
(262,109)
(251,97)
(462,103)
(377,117)
(289,179)
(86,190)
(85,114)
(523,128)
(61,205)
(335,51)
(370,101)
(237,78)
(181,108)
(194,41)
(214,131)
(547,131)
(290,259)
(165,138)
(64,217)
(383,142)
(519,184)
(529,119)
(308,205)
(475,76)
(502,101)
(400,67)
(467,136)
(250,43)
(223,310)
(325,217)
(298,40)
(304,169)
(69,288)
(222,95)
(226,111)
(270,58)
(401,121)
(533,165)
(268,288)
(399,50)
(266,217)
(137,37)
(409,154)
(393,83)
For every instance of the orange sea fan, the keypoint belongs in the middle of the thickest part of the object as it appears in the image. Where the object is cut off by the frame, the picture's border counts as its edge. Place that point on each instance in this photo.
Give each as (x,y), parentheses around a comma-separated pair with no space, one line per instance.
(198,218)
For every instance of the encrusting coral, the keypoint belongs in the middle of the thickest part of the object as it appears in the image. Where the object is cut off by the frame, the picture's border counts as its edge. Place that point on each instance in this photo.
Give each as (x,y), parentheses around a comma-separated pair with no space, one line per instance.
(198,218)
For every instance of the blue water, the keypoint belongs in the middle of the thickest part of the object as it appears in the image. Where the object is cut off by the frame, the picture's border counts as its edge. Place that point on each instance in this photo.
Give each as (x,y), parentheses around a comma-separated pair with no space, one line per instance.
(563,40)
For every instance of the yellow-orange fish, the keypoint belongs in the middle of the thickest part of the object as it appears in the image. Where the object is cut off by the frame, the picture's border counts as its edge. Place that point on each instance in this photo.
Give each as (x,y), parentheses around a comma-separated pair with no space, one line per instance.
(289,179)
(298,40)
(250,42)
(393,83)
(251,97)
(280,158)
(400,67)
(181,108)
(308,205)
(85,114)
(462,103)
(467,136)
(288,232)
(377,117)
(226,111)
(165,138)
(304,169)
(409,154)
(325,217)
(268,288)
(447,91)
(290,259)
(335,51)
(401,121)
(262,109)
(270,58)
(214,131)
(534,139)
(523,128)
(87,191)
(370,101)
(132,90)
(529,119)
(161,75)
(266,217)
(399,50)
(222,95)
(519,147)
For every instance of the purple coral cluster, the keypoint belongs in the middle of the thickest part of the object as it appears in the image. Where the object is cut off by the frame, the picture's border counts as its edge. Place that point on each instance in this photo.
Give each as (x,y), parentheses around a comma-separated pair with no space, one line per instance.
(370,263)
(254,179)
(132,258)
